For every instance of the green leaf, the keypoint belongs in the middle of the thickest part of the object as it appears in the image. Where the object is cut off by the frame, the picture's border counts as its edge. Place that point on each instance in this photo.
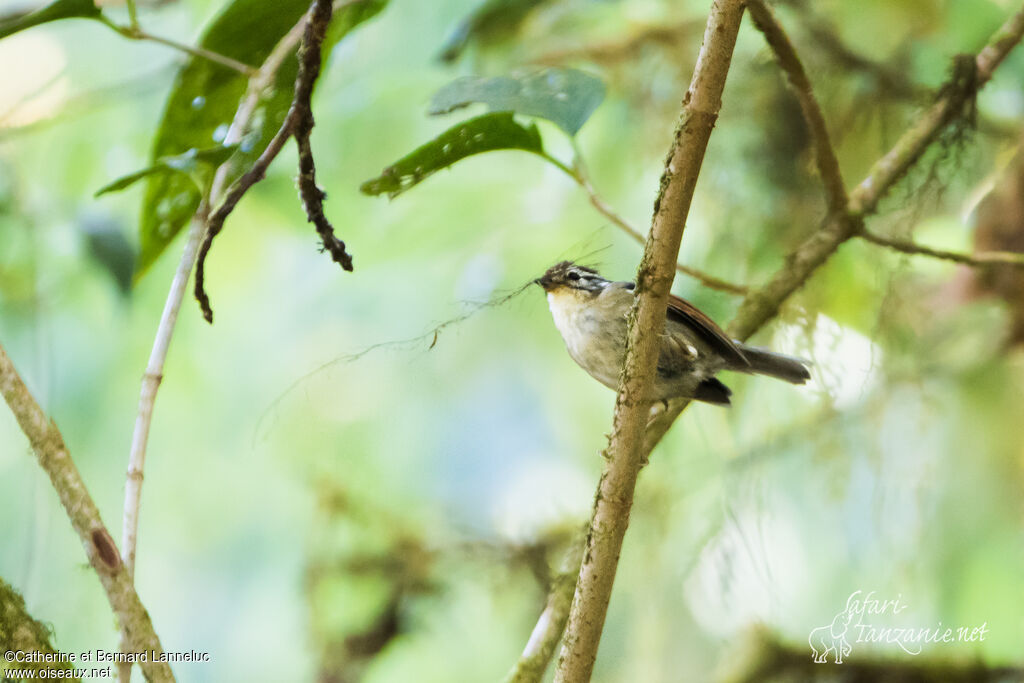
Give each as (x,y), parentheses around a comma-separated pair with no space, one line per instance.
(61,9)
(566,97)
(483,134)
(191,164)
(204,98)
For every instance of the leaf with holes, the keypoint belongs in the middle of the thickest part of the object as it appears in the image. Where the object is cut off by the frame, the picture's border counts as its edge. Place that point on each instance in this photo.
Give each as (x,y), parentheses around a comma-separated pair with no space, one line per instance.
(195,164)
(566,97)
(485,133)
(204,98)
(61,9)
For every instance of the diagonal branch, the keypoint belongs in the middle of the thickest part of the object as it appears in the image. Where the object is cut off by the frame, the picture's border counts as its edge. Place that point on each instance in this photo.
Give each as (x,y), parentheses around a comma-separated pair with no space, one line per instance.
(980,259)
(800,84)
(48,446)
(624,456)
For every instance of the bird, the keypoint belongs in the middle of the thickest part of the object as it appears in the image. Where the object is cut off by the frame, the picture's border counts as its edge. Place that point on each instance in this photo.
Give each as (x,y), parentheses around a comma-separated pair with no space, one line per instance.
(591,313)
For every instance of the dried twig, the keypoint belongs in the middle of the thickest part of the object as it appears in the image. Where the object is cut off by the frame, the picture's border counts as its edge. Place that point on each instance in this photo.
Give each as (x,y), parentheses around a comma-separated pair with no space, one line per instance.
(309,70)
(48,446)
(624,456)
(297,123)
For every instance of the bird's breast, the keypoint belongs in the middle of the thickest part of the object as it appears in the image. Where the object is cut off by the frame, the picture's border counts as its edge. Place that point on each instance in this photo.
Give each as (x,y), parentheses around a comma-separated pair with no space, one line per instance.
(590,337)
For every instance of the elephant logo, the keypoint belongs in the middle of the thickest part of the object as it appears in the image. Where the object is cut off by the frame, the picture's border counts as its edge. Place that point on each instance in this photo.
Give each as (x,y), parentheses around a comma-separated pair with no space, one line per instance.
(832,638)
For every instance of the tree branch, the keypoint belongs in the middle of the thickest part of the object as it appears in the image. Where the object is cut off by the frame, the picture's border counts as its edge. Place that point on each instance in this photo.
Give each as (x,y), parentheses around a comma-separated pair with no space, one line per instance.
(48,446)
(540,648)
(624,455)
(789,62)
(980,259)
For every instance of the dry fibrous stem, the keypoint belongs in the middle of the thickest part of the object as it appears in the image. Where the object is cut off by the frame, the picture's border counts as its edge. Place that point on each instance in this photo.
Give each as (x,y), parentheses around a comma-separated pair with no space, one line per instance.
(298,123)
(53,456)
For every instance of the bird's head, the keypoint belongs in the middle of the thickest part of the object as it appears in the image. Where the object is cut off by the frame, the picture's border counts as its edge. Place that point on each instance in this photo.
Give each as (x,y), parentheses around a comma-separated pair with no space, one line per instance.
(567,277)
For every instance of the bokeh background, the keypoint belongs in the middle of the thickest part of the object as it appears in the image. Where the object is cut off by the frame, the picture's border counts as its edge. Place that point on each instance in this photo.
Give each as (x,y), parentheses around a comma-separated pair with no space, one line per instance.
(312,512)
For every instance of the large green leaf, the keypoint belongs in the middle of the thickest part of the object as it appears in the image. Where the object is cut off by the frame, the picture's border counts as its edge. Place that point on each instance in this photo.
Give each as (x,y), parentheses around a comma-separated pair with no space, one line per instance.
(61,9)
(483,134)
(195,164)
(204,98)
(566,97)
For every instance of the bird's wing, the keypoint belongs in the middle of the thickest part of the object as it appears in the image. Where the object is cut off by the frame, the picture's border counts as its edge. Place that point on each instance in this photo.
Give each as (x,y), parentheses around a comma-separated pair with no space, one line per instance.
(682,311)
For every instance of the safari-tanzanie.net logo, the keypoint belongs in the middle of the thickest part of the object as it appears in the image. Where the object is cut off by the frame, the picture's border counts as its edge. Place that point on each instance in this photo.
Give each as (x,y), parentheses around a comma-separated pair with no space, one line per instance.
(865,619)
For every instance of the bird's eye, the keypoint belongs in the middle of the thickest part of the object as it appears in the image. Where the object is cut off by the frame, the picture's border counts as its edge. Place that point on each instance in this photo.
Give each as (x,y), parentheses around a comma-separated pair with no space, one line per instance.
(573,276)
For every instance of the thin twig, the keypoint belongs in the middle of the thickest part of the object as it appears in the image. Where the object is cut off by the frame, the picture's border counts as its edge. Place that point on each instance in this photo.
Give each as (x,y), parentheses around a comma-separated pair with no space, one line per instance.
(133,14)
(298,124)
(309,69)
(796,76)
(135,33)
(580,176)
(234,194)
(624,457)
(48,446)
(980,259)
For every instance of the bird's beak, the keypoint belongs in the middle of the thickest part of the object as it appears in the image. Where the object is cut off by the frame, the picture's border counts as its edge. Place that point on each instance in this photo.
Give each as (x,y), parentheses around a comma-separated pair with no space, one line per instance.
(544,282)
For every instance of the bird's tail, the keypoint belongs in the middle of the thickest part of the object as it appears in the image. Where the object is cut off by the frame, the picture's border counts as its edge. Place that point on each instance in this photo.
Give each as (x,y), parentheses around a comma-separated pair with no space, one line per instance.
(764,362)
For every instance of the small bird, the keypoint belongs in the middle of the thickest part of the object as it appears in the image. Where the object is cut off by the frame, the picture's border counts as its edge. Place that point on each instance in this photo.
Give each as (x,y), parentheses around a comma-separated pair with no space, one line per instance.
(590,313)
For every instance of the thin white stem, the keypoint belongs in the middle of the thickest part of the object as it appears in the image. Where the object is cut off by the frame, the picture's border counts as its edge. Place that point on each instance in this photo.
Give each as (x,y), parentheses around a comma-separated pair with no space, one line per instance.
(258,83)
(150,384)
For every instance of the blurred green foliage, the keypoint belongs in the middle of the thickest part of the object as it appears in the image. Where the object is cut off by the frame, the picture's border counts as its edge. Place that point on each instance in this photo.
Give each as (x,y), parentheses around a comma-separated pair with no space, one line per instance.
(312,516)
